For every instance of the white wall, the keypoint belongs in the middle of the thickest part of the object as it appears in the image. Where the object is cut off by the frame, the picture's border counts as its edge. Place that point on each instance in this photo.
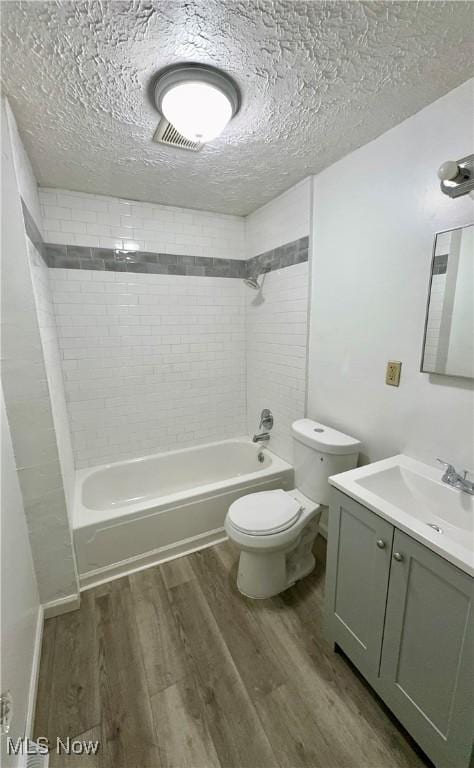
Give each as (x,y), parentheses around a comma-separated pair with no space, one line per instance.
(76,218)
(151,362)
(282,220)
(26,390)
(27,184)
(374,219)
(29,191)
(276,320)
(20,612)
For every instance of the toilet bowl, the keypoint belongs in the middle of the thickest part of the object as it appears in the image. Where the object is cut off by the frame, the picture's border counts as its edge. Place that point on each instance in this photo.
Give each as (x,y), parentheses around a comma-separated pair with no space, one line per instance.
(275,530)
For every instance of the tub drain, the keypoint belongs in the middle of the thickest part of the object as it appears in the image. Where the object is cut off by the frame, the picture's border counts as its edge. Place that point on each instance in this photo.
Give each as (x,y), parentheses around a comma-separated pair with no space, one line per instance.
(435,527)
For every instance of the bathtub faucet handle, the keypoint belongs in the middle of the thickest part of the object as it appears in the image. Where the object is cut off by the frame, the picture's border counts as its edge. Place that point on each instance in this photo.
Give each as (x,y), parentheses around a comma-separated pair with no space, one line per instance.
(266,420)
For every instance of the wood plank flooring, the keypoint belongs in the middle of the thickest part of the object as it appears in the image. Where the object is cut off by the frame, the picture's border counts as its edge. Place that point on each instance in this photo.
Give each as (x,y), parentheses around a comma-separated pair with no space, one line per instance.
(172,668)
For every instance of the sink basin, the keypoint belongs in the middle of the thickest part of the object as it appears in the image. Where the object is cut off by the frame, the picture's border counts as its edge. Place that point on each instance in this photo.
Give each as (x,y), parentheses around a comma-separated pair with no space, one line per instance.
(420,496)
(410,495)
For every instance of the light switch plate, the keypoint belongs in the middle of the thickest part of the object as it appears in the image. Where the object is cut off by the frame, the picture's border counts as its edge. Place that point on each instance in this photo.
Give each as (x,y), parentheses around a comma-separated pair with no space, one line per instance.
(392,377)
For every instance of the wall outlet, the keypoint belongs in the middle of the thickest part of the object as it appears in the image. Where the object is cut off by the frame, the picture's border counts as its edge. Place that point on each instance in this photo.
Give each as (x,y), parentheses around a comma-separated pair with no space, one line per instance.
(392,377)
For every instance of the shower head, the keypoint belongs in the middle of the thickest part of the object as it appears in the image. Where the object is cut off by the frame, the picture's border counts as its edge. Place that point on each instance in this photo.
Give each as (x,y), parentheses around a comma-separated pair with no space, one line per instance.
(252,282)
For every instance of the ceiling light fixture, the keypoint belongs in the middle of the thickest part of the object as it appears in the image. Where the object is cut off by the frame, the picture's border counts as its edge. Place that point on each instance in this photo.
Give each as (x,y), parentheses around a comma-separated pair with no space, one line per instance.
(197,100)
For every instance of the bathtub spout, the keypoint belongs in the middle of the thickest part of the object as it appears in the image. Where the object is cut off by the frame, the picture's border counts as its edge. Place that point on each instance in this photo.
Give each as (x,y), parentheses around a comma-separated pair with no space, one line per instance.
(263,437)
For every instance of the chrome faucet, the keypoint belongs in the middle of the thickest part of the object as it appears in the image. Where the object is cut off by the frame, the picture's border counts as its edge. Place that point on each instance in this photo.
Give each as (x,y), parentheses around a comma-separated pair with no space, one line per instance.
(266,421)
(261,438)
(455,480)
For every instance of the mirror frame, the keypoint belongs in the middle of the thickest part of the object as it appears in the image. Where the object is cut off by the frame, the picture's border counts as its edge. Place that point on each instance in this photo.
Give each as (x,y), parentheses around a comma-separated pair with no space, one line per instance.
(427,309)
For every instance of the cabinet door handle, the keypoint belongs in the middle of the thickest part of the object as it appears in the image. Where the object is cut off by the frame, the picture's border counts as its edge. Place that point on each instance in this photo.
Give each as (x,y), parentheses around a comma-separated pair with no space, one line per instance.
(380,543)
(397,556)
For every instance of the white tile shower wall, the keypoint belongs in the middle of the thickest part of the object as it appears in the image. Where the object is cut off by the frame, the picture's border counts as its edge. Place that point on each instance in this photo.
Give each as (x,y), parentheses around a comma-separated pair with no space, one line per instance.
(282,220)
(54,374)
(151,362)
(276,353)
(433,326)
(277,320)
(435,305)
(77,218)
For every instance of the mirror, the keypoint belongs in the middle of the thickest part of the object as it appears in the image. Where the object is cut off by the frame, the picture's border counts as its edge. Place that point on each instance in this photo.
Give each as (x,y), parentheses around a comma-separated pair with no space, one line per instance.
(448,346)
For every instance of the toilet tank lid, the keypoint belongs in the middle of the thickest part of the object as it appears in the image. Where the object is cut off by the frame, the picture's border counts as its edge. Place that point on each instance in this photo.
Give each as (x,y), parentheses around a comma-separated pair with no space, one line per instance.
(323,438)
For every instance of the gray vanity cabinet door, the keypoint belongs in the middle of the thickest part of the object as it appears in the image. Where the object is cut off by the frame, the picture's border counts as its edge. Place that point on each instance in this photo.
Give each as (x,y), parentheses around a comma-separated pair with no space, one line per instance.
(358,565)
(426,674)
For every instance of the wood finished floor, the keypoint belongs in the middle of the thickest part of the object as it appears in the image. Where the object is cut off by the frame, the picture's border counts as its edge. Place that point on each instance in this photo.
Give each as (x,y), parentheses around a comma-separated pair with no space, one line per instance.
(172,668)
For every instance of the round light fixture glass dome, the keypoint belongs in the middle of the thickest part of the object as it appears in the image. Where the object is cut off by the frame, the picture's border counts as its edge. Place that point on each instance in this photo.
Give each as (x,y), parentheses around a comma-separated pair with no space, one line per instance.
(197,100)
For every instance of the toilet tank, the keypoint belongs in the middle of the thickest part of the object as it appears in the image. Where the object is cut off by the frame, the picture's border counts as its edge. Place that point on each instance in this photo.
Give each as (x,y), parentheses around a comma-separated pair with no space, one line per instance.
(318,453)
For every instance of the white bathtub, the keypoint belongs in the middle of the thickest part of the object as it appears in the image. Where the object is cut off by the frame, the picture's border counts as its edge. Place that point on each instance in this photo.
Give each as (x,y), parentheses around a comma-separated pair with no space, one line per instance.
(137,513)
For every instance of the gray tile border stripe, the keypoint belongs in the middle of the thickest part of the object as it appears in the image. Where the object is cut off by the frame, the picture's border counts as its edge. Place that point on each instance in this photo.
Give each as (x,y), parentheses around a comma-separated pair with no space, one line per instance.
(32,230)
(109,260)
(284,256)
(147,262)
(440,264)
(79,257)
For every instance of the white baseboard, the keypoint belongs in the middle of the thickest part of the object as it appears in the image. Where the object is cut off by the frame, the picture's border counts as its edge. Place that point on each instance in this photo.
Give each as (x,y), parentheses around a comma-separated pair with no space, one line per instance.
(63,605)
(35,666)
(46,611)
(156,557)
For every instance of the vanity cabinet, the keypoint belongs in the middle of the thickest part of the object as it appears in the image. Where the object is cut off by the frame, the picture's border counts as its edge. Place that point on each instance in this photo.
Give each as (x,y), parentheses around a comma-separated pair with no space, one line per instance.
(358,568)
(403,615)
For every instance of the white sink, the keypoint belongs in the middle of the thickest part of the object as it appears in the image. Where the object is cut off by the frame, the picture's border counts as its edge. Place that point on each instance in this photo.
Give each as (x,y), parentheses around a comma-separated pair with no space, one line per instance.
(410,495)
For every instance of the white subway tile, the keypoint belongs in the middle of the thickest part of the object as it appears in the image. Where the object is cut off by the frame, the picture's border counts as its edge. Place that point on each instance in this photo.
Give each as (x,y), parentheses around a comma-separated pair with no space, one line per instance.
(157,390)
(59,238)
(53,225)
(150,361)
(276,354)
(202,231)
(73,227)
(57,212)
(99,229)
(78,214)
(88,240)
(110,242)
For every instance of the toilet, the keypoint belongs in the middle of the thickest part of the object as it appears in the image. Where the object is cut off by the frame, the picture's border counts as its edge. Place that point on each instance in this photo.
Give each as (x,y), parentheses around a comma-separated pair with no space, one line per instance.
(275,530)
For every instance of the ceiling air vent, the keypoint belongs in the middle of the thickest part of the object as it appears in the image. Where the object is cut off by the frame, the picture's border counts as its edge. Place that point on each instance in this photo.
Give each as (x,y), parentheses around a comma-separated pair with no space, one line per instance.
(167,134)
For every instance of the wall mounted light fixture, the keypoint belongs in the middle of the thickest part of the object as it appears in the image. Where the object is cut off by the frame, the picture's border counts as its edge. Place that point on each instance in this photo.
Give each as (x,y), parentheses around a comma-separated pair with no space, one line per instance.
(457,176)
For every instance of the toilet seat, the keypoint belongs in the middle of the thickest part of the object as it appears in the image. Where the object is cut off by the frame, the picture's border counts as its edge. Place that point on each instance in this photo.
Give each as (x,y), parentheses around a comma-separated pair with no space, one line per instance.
(264,513)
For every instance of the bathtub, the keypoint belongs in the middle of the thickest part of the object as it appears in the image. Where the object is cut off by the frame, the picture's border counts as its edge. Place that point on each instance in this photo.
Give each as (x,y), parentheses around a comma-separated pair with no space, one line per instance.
(138,513)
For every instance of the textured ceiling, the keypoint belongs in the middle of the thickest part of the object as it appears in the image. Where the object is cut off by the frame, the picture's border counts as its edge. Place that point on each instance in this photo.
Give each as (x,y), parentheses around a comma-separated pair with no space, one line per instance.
(318,80)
